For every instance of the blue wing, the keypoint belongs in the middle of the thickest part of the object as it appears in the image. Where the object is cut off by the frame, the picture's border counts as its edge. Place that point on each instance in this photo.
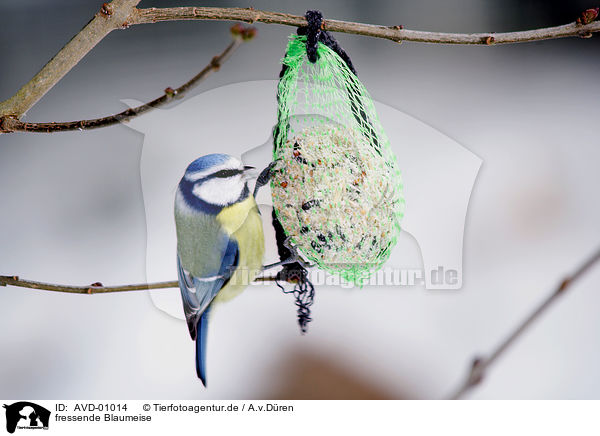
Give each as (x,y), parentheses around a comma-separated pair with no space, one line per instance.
(197,294)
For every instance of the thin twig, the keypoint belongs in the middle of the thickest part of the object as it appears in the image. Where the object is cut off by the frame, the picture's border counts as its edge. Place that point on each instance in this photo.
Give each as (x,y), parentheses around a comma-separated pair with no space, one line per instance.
(394,33)
(481,364)
(97,288)
(14,125)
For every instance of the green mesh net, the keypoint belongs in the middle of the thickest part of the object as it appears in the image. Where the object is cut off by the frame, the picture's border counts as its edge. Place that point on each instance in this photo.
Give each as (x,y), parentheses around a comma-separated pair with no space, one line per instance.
(336,187)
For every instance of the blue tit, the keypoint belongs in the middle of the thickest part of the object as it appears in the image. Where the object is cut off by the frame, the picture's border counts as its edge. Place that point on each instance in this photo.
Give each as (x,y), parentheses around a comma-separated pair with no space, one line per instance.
(220,241)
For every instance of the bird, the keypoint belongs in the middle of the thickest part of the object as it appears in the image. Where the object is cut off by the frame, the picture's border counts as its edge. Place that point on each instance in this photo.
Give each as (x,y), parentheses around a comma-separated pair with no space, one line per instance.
(220,240)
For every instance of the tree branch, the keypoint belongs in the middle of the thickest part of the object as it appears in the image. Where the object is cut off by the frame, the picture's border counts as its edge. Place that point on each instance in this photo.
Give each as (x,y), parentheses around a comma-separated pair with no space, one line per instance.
(97,288)
(478,368)
(110,17)
(583,27)
(480,365)
(12,124)
(120,14)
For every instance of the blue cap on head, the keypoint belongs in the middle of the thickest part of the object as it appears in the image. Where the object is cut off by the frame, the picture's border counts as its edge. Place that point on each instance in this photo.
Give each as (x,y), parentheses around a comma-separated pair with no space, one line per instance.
(208,161)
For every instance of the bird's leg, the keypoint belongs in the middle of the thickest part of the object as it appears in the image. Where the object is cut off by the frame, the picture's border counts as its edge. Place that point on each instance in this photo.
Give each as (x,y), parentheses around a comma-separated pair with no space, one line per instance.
(294,257)
(263,178)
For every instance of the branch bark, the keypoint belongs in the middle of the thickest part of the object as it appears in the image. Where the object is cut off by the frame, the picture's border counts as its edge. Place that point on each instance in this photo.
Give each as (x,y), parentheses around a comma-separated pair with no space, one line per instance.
(394,33)
(96,288)
(480,365)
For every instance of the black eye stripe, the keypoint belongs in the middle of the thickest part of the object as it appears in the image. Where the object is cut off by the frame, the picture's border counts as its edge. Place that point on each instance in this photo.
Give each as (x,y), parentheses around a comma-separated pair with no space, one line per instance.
(227,173)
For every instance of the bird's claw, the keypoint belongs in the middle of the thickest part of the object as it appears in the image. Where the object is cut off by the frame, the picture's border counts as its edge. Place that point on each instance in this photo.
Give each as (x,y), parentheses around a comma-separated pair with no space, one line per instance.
(294,257)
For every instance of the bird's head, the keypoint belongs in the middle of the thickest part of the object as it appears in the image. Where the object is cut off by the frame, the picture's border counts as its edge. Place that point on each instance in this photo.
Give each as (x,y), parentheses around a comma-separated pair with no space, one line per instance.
(213,182)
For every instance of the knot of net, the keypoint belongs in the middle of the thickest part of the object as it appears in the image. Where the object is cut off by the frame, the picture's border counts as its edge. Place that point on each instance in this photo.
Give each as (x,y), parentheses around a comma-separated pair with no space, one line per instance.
(314,34)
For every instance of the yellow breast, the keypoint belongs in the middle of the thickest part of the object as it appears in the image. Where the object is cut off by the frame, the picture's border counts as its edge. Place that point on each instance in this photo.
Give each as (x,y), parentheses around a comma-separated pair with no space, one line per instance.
(242,221)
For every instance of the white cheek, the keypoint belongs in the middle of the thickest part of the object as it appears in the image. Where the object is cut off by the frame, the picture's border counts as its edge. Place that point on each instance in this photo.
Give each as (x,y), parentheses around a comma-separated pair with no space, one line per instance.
(219,191)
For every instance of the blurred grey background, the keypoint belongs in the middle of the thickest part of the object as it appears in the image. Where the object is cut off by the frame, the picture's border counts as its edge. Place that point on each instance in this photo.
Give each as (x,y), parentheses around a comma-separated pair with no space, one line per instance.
(72,212)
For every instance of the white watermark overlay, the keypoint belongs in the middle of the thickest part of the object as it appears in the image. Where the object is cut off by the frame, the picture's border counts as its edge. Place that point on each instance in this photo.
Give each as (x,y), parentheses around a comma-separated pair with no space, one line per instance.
(438,176)
(386,276)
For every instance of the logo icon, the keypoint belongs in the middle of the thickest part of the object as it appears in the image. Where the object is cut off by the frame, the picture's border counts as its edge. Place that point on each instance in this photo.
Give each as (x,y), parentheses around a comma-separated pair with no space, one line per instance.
(26,415)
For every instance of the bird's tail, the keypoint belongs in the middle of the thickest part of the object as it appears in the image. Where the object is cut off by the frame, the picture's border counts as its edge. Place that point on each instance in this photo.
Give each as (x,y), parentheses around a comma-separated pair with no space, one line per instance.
(201,335)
